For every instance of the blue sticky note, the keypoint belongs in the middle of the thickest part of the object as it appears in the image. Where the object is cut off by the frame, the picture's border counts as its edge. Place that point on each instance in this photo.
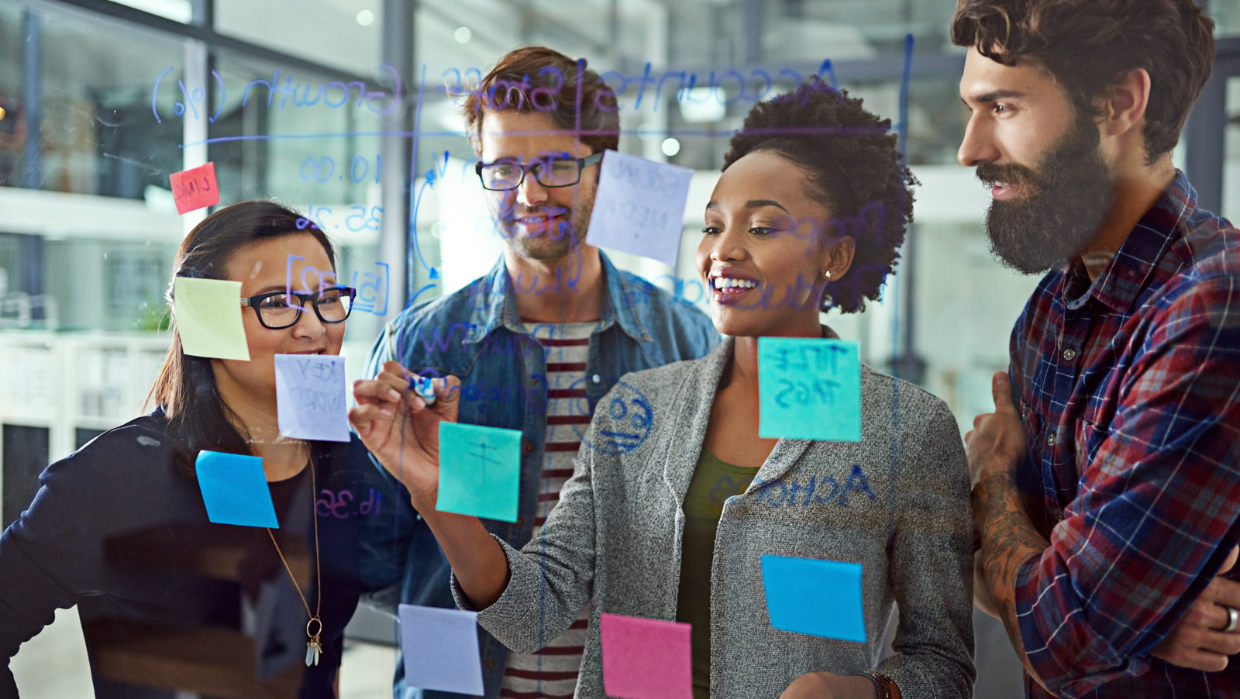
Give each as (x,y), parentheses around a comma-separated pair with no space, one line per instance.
(479,471)
(809,389)
(440,647)
(310,397)
(234,489)
(819,598)
(639,207)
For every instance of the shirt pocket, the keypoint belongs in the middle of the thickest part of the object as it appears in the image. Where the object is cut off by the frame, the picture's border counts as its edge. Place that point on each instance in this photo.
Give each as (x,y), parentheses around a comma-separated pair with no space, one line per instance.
(1088,439)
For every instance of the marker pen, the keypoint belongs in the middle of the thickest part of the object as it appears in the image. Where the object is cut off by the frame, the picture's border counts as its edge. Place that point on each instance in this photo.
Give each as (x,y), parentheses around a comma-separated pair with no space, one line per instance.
(424,387)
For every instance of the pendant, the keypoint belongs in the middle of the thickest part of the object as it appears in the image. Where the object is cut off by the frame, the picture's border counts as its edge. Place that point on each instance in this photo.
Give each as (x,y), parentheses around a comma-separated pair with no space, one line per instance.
(314,647)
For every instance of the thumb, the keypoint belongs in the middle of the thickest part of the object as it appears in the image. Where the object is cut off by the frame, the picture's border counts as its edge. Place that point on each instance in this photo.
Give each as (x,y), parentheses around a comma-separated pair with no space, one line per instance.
(1002,390)
(1231,560)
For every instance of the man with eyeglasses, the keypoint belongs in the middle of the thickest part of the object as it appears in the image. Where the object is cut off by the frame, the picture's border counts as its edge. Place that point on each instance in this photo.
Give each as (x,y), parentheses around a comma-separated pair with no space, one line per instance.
(539,340)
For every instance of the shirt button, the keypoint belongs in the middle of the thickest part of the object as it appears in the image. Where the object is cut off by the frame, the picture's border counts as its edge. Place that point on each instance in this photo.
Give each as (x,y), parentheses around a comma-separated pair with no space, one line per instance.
(527,446)
(1069,354)
(596,378)
(520,521)
(1050,441)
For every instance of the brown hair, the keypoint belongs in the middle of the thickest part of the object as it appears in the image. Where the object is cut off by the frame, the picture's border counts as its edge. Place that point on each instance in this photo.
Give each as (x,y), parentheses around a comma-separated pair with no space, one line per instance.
(1089,45)
(197,416)
(539,79)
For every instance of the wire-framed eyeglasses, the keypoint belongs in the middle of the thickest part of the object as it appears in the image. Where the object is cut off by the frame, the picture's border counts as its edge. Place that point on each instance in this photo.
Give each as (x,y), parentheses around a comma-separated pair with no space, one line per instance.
(280,309)
(561,170)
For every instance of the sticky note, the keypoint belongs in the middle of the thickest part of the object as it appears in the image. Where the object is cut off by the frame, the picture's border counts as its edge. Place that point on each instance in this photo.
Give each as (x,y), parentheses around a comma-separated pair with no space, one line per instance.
(810,596)
(234,489)
(809,389)
(479,471)
(310,397)
(208,315)
(646,658)
(440,647)
(640,206)
(195,188)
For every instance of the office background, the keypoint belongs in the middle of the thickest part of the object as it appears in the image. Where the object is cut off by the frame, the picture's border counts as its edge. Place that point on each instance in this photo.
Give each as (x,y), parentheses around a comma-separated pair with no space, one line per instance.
(101,101)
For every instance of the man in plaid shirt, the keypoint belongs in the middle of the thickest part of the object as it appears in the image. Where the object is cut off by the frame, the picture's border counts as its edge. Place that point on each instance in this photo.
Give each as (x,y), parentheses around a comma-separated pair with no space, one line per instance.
(1106,484)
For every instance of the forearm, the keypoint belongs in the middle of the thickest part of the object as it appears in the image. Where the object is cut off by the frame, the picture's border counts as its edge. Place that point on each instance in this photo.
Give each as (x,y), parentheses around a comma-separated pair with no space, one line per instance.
(477,560)
(1008,539)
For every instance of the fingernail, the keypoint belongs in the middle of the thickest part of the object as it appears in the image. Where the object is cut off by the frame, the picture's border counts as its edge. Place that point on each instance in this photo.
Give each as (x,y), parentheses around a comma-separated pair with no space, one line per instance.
(392,394)
(385,412)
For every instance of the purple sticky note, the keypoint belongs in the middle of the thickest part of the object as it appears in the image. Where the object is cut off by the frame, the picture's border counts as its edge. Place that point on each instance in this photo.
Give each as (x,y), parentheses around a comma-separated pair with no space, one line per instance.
(440,648)
(646,658)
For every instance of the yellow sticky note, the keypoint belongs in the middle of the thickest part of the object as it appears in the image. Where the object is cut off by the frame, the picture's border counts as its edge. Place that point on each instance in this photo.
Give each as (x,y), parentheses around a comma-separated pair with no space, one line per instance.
(208,314)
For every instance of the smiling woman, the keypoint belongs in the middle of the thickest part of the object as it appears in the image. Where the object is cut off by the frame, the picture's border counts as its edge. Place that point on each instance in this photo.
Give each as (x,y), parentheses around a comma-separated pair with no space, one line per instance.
(119,528)
(704,496)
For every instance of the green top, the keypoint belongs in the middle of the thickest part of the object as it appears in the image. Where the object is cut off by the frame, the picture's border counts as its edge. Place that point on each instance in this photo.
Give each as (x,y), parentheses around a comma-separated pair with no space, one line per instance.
(713,482)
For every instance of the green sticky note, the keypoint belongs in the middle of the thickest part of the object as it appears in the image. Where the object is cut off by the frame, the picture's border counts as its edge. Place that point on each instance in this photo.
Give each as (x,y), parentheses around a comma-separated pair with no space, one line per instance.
(479,471)
(809,389)
(208,313)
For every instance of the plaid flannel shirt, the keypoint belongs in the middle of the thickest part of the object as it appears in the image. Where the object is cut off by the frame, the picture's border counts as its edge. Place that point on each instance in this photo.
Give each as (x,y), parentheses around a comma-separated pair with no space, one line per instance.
(1129,390)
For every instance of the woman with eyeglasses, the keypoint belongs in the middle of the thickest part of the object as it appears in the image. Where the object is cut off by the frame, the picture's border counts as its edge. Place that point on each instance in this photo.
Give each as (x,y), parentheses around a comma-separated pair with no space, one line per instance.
(170,601)
(676,496)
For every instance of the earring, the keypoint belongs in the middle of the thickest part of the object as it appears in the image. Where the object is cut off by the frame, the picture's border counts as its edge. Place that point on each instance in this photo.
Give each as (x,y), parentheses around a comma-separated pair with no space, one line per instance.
(827,274)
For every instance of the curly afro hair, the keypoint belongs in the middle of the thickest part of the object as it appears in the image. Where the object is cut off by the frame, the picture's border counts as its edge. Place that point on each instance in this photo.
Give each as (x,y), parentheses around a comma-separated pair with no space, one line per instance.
(852,166)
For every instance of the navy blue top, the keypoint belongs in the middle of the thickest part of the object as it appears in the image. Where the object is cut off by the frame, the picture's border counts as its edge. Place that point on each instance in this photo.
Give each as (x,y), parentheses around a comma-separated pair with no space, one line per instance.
(169,600)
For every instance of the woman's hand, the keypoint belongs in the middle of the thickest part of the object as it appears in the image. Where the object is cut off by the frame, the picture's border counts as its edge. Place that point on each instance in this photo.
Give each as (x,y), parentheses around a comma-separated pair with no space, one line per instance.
(401,431)
(824,685)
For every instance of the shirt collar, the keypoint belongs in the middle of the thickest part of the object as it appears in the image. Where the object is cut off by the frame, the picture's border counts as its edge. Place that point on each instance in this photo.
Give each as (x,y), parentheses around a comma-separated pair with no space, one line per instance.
(1129,270)
(494,303)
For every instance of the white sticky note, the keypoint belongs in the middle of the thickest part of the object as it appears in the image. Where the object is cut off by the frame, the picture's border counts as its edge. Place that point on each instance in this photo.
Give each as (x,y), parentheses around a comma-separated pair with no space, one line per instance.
(640,206)
(310,397)
(208,314)
(440,648)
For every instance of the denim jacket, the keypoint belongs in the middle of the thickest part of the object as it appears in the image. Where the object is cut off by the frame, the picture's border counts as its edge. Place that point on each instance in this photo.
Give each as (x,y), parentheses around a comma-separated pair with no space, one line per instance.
(477,335)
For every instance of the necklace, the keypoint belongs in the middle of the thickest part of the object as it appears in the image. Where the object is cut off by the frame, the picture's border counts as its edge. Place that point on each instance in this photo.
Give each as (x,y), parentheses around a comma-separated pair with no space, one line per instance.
(314,642)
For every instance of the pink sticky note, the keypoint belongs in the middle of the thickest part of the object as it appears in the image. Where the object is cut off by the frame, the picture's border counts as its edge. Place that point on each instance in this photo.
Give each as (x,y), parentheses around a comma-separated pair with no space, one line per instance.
(195,188)
(646,658)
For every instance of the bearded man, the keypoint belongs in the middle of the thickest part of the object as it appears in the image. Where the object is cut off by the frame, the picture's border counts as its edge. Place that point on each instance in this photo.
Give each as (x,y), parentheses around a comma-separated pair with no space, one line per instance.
(1106,485)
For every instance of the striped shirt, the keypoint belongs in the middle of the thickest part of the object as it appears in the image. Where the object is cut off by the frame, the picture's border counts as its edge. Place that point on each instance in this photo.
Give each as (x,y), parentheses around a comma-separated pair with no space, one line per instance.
(551,672)
(1130,402)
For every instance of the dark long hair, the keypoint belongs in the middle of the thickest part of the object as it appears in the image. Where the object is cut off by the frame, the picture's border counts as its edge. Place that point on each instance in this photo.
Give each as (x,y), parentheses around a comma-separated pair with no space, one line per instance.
(185,389)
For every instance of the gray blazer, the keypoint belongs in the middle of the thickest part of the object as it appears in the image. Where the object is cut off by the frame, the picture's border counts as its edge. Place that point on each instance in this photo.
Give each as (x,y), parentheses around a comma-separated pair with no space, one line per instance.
(614,539)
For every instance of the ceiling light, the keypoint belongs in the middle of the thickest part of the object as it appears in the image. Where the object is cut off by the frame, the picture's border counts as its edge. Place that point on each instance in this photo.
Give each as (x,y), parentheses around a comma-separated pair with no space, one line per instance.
(462,35)
(670,147)
(365,18)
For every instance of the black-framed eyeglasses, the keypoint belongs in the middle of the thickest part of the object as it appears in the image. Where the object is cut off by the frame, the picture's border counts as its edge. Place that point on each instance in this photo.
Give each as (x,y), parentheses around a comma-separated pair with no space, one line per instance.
(561,170)
(280,309)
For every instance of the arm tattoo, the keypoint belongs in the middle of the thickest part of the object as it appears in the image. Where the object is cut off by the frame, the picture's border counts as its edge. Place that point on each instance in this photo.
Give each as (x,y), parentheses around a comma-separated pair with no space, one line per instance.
(1008,540)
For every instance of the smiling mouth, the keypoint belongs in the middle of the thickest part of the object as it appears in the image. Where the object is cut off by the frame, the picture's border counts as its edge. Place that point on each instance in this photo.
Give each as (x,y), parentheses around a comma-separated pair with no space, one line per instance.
(727,290)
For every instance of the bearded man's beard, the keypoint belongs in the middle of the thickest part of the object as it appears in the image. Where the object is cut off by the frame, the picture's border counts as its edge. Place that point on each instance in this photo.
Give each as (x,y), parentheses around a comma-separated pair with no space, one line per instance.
(1061,208)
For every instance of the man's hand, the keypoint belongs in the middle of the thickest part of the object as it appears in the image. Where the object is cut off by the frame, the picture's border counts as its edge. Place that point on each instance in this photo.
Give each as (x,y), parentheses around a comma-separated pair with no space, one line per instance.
(997,440)
(401,431)
(994,447)
(1196,643)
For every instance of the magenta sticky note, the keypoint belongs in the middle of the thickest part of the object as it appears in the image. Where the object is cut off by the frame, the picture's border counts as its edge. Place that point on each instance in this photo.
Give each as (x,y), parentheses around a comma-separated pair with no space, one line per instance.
(646,658)
(195,188)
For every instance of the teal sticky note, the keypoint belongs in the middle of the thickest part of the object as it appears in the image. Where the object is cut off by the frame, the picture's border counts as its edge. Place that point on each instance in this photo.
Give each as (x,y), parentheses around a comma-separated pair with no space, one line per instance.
(809,389)
(234,489)
(479,471)
(815,597)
